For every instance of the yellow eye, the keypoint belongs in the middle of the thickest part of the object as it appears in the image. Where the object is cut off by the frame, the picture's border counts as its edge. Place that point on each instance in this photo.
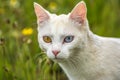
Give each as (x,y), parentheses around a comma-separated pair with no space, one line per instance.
(47,39)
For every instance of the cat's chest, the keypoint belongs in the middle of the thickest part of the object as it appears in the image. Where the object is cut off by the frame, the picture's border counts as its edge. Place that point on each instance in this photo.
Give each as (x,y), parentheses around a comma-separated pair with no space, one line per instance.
(82,68)
(76,72)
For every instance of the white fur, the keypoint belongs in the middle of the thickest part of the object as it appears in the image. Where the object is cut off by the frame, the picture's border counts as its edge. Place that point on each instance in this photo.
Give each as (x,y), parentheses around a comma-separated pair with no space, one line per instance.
(87,57)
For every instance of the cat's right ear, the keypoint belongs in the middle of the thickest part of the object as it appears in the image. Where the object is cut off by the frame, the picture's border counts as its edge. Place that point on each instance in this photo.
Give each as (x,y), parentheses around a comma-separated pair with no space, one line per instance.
(78,14)
(41,13)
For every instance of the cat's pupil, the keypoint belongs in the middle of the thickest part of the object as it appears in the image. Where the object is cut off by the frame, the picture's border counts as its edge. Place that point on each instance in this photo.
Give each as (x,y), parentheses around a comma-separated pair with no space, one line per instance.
(68,39)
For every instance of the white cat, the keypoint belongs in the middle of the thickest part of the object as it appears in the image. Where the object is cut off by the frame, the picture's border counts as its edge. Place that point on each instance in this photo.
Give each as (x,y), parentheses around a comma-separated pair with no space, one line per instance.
(68,40)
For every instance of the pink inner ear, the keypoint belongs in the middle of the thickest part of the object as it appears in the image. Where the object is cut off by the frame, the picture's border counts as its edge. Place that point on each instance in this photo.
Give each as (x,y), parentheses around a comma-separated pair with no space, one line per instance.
(40,13)
(79,13)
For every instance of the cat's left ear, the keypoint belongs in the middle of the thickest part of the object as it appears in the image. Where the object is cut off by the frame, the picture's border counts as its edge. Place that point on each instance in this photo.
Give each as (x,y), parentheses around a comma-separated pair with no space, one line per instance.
(41,13)
(79,13)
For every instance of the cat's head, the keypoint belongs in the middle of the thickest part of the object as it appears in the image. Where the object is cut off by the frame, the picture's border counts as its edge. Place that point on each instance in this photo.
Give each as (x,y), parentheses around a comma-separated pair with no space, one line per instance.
(61,37)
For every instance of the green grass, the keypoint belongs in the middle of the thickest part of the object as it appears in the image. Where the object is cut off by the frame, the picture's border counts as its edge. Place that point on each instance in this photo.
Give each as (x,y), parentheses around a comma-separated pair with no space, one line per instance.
(20,55)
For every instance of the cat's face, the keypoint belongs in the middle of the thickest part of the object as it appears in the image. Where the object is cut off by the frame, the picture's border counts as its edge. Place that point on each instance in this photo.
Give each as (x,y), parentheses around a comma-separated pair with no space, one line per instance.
(61,36)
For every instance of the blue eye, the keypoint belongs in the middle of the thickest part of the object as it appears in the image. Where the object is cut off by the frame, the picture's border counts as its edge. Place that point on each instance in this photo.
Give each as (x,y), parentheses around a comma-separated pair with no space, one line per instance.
(68,39)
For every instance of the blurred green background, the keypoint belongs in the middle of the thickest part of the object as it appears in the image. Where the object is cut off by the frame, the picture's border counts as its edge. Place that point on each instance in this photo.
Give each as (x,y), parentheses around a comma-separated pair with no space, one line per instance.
(20,55)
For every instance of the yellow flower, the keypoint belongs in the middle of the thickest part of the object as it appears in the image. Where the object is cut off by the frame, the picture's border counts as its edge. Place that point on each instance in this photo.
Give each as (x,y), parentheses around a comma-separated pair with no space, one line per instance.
(27,31)
(14,3)
(53,6)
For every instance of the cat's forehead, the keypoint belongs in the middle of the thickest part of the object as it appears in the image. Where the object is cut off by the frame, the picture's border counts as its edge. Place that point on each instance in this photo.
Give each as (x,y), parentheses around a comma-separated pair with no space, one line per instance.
(59,24)
(61,17)
(60,20)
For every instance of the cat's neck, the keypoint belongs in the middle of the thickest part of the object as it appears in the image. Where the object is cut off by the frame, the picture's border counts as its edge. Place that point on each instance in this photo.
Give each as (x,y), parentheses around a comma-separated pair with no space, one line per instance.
(79,65)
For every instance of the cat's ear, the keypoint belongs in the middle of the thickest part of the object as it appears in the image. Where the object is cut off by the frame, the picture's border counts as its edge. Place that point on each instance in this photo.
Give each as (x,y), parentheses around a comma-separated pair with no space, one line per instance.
(78,14)
(41,13)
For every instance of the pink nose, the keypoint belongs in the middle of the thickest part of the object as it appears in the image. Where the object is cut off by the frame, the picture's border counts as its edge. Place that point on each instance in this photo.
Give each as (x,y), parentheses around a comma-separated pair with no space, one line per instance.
(55,52)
